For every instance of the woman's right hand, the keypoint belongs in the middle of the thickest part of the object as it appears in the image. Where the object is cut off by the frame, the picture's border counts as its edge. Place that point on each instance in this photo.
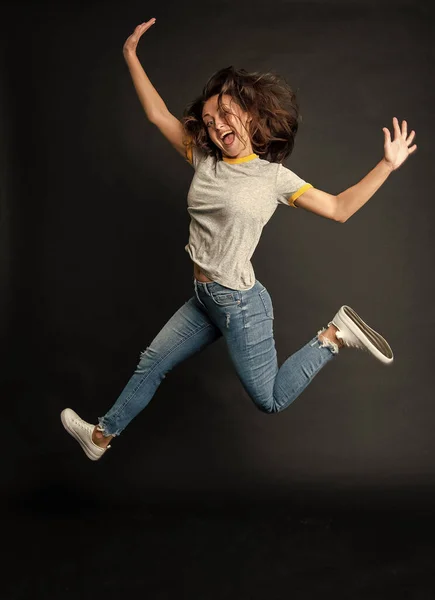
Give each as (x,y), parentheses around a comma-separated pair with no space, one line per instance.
(132,41)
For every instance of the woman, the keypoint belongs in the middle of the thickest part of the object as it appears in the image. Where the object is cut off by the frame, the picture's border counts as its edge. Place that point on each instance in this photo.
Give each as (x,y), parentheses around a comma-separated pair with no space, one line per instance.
(236,135)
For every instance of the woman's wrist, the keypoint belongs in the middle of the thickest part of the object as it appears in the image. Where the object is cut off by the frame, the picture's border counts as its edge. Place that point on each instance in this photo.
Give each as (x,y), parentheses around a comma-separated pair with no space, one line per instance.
(388,166)
(129,54)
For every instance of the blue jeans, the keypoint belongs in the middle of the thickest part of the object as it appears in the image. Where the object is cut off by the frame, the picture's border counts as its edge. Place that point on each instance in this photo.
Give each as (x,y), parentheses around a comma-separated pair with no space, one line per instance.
(245,319)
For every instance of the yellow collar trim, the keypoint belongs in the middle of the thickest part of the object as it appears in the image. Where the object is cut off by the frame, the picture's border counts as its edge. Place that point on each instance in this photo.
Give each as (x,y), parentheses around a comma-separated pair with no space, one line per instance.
(235,161)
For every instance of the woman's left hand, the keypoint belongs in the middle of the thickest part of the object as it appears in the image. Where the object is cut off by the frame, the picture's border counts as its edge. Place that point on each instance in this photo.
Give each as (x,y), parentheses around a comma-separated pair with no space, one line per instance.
(398,150)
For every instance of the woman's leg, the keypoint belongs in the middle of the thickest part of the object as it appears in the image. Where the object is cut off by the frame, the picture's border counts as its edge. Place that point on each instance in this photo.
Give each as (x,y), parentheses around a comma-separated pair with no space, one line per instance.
(187,331)
(245,319)
(272,388)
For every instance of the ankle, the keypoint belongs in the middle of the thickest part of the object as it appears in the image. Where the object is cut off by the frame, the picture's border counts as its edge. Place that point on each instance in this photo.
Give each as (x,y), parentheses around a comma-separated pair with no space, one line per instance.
(329,334)
(99,438)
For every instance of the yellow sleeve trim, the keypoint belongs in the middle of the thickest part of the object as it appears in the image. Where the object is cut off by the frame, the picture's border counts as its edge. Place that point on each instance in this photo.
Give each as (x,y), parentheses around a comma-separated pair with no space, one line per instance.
(189,154)
(296,195)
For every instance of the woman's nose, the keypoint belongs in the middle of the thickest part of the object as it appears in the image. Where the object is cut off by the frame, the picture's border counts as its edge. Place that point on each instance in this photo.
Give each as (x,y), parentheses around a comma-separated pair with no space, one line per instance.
(220,126)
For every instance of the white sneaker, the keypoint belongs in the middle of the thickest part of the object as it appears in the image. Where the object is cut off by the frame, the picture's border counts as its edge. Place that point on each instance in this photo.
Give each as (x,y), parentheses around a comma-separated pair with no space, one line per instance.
(355,333)
(82,432)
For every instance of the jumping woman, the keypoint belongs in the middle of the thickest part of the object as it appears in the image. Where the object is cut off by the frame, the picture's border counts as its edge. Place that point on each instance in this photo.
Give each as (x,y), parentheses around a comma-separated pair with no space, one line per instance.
(236,135)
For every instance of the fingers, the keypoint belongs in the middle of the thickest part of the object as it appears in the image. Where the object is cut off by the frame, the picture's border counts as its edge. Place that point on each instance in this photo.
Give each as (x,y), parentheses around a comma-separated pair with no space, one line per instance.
(396,127)
(403,132)
(133,39)
(140,29)
(386,131)
(411,137)
(144,26)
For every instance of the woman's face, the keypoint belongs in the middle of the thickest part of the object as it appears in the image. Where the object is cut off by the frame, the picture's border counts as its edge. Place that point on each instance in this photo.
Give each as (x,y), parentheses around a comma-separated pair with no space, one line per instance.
(217,124)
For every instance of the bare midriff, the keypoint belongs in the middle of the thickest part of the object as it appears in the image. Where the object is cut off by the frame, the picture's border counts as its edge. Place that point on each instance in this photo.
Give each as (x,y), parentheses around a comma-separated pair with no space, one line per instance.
(198,274)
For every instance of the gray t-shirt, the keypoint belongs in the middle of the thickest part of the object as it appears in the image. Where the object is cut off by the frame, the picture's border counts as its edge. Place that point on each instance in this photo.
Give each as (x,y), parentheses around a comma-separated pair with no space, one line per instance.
(229,207)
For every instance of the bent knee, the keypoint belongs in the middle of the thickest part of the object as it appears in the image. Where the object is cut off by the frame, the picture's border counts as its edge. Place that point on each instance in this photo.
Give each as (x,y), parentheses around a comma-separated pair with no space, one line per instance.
(268,408)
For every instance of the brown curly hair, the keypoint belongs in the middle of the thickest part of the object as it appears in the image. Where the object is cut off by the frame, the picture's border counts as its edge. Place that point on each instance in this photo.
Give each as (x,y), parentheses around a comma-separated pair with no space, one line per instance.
(268,99)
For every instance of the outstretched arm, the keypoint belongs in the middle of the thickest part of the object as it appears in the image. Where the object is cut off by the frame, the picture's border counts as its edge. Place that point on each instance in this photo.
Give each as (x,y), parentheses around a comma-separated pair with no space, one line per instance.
(342,206)
(152,103)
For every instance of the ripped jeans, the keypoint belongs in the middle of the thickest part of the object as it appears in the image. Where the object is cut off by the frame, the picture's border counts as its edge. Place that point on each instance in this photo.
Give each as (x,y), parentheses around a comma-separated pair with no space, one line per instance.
(245,319)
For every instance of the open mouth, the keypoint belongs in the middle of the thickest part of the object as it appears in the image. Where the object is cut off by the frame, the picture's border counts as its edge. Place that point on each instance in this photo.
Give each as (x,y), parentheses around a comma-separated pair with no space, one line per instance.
(228,138)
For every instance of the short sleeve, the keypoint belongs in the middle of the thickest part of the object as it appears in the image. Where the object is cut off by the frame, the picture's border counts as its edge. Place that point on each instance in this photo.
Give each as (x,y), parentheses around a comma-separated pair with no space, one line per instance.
(194,155)
(289,186)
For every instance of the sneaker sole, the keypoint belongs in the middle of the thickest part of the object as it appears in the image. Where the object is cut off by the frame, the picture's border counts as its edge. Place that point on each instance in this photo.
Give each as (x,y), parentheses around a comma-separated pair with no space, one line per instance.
(64,419)
(374,342)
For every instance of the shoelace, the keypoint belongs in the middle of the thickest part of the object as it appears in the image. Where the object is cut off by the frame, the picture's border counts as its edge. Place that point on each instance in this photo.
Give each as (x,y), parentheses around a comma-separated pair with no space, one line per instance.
(83,425)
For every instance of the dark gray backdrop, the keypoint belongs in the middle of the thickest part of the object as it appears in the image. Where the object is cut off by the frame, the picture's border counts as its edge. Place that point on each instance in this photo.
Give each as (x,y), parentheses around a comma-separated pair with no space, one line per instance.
(93,228)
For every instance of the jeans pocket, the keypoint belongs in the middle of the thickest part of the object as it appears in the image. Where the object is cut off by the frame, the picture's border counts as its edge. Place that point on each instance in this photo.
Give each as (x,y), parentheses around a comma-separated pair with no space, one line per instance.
(267,302)
(226,298)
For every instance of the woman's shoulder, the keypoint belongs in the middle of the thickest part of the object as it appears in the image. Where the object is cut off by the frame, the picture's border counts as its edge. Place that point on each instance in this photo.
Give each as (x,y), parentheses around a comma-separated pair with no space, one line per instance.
(195,154)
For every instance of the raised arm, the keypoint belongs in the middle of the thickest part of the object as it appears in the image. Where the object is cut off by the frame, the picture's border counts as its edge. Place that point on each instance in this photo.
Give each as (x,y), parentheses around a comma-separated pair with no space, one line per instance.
(152,103)
(342,206)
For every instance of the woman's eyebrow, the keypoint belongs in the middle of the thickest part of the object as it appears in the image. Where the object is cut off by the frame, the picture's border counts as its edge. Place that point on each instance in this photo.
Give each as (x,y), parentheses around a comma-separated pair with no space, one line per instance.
(208,114)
